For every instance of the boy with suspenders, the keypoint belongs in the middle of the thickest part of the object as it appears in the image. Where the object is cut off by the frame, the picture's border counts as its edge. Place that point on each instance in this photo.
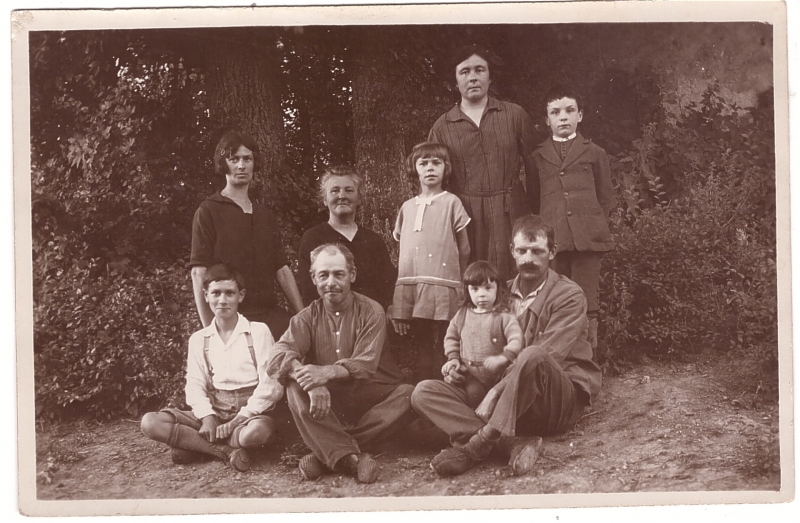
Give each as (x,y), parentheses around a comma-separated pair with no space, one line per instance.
(226,383)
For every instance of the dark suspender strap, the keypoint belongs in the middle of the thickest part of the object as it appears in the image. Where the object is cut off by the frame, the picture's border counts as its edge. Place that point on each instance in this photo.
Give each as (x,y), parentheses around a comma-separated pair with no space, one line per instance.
(252,350)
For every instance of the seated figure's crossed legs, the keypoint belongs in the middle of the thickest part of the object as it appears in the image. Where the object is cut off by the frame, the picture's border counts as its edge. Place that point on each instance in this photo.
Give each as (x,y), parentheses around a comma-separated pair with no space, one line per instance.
(377,410)
(180,430)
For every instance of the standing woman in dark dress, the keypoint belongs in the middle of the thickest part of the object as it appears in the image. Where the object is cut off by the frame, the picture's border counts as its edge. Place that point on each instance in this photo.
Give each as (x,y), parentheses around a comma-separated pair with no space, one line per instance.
(340,188)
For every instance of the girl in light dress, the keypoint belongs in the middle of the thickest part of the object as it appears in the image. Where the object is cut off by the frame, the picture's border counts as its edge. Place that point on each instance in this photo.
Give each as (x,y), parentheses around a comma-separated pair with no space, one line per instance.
(434,251)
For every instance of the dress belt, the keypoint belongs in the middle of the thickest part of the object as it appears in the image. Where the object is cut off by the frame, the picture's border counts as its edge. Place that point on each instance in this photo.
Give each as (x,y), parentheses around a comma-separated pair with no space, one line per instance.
(485,194)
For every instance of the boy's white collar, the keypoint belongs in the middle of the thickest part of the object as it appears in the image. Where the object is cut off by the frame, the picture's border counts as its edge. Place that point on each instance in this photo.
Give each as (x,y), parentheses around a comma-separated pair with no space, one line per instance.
(568,138)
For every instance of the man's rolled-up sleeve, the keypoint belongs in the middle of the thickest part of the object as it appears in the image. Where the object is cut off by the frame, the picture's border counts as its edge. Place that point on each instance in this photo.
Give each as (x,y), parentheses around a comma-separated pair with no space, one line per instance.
(268,391)
(293,346)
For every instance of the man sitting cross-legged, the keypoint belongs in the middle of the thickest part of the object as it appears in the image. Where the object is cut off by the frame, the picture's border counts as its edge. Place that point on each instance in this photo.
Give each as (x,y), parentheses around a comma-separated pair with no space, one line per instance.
(335,367)
(226,383)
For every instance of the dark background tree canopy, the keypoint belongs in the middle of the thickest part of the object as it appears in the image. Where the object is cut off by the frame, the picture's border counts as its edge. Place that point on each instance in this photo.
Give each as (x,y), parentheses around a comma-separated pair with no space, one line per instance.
(123,125)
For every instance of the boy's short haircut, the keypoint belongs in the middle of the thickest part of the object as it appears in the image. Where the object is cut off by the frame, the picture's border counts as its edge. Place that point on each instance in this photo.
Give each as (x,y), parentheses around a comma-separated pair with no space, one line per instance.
(331,248)
(480,272)
(427,150)
(339,170)
(223,272)
(557,92)
(227,147)
(532,227)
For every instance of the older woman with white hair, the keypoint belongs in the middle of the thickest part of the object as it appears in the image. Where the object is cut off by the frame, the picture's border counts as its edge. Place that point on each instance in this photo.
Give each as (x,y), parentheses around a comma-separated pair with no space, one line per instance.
(340,189)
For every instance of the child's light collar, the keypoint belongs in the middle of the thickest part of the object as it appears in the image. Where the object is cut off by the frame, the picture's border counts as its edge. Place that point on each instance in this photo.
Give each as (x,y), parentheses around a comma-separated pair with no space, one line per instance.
(568,138)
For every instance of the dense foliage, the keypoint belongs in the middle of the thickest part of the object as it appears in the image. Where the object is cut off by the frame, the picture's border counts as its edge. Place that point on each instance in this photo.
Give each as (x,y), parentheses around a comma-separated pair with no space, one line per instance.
(123,125)
(695,268)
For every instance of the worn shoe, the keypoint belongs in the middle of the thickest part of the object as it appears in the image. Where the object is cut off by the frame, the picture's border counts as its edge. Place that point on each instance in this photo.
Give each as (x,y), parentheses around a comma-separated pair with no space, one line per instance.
(363,467)
(311,468)
(479,445)
(524,453)
(183,456)
(452,461)
(240,460)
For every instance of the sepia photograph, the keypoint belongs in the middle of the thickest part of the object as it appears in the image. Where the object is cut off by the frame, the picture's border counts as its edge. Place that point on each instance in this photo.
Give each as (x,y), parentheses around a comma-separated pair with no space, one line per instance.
(427,257)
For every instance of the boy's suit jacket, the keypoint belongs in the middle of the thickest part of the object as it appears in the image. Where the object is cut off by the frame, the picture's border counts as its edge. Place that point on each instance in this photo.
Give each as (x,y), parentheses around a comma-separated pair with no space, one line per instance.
(574,196)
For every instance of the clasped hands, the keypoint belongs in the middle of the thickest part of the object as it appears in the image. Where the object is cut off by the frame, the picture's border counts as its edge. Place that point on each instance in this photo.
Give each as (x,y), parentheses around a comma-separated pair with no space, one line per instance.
(212,430)
(455,372)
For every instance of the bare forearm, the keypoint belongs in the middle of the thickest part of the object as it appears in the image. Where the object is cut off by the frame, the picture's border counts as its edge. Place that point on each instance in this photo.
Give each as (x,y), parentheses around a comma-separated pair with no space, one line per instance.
(288,285)
(338,372)
(203,310)
(463,249)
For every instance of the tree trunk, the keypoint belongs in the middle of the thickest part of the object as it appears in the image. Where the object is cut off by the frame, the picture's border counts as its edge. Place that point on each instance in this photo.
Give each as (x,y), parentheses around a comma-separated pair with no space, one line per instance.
(242,73)
(396,99)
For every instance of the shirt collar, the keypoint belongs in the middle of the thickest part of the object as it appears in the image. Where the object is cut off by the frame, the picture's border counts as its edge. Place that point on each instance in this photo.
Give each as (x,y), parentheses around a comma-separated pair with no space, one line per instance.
(568,138)
(348,303)
(218,197)
(516,292)
(455,114)
(428,200)
(242,325)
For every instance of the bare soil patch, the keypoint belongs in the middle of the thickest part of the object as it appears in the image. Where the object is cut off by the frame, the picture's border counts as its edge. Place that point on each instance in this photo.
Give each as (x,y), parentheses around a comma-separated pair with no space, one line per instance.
(659,427)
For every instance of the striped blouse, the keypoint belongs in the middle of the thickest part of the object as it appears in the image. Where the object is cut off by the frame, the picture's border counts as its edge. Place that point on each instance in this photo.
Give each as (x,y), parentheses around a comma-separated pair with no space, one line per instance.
(486,162)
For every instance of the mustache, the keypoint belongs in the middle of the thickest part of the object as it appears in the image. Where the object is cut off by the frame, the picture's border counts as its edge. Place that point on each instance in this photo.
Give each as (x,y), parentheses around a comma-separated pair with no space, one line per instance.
(528,267)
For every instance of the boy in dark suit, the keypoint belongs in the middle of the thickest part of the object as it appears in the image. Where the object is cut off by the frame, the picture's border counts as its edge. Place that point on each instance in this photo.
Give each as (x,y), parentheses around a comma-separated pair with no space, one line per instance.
(570,188)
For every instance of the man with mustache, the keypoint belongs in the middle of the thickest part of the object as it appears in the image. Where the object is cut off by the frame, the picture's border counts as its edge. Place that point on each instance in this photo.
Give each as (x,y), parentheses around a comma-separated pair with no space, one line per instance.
(335,367)
(546,389)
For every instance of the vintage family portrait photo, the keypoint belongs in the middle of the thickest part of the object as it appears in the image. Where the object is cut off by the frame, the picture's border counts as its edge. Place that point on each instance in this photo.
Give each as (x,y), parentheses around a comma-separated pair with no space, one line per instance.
(347,258)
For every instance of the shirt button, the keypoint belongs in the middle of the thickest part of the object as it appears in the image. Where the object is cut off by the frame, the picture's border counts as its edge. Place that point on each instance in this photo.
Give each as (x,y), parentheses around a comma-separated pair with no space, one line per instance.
(494,340)
(561,173)
(337,313)
(444,265)
(566,193)
(430,256)
(569,213)
(337,333)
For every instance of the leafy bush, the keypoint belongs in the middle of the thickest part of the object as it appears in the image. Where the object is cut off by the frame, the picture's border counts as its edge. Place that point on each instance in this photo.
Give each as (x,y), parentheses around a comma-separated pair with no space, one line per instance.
(695,267)
(107,343)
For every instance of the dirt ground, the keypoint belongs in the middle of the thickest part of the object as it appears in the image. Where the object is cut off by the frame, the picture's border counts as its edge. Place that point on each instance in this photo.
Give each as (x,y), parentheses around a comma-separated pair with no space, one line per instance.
(694,426)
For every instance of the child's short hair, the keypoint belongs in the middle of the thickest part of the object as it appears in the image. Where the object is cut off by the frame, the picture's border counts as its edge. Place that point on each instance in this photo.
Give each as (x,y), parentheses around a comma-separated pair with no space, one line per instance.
(227,147)
(427,150)
(481,272)
(339,170)
(223,272)
(557,92)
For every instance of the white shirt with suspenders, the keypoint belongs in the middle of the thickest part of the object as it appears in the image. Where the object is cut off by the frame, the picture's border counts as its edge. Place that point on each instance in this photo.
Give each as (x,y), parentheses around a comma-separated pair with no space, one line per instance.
(239,364)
